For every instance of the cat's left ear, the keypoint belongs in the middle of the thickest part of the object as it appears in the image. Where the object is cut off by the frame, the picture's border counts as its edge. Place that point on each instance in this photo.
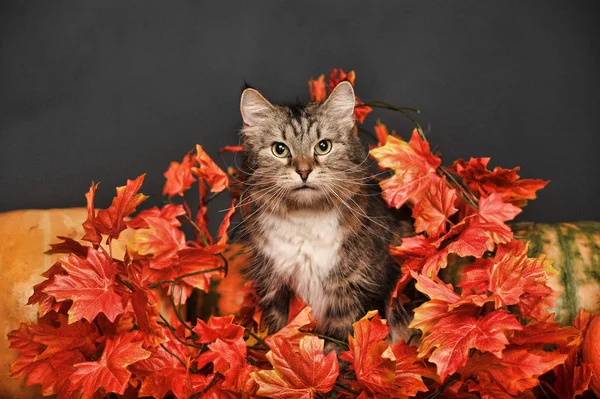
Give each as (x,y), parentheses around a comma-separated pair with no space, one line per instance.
(340,103)
(254,107)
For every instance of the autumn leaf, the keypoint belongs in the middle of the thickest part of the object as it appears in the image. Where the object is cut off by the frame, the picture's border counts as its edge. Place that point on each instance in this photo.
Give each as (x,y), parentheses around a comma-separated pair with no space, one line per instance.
(67,246)
(169,212)
(160,240)
(448,343)
(218,328)
(222,233)
(81,335)
(432,212)
(382,133)
(291,332)
(414,167)
(337,76)
(179,177)
(372,360)
(297,374)
(508,275)
(162,372)
(46,303)
(409,370)
(361,111)
(90,283)
(317,89)
(504,181)
(547,332)
(209,171)
(573,376)
(110,371)
(517,371)
(232,148)
(231,362)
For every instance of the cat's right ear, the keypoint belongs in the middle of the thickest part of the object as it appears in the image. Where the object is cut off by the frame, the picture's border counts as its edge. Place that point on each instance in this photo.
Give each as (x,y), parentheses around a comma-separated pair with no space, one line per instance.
(254,107)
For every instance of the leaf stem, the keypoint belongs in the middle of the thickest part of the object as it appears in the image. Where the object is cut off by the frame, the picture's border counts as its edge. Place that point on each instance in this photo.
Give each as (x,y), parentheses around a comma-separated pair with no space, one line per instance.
(174,355)
(442,388)
(256,337)
(344,388)
(158,283)
(172,330)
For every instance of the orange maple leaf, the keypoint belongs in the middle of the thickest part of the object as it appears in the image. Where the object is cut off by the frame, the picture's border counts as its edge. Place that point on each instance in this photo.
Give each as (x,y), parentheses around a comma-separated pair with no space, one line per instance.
(414,167)
(297,374)
(179,177)
(110,371)
(90,283)
(209,171)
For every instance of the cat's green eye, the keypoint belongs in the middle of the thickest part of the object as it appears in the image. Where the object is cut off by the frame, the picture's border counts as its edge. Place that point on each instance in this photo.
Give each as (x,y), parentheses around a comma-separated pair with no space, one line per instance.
(280,150)
(323,147)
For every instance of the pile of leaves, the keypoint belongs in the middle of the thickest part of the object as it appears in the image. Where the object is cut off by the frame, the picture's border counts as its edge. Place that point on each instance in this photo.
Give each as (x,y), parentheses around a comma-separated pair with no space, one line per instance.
(117,326)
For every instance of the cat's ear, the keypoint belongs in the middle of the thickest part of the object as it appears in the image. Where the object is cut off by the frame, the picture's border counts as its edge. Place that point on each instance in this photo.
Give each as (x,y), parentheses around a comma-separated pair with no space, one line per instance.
(254,107)
(340,103)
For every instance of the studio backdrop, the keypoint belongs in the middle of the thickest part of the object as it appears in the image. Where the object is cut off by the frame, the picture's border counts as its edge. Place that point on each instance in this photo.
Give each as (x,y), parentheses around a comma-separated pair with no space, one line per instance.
(107,90)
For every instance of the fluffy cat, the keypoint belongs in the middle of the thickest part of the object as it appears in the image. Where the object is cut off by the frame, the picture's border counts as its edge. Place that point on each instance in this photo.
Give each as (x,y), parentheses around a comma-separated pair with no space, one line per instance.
(314,217)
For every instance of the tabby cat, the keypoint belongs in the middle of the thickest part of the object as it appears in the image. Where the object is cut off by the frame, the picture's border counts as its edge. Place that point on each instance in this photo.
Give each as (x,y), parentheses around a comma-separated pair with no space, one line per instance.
(317,225)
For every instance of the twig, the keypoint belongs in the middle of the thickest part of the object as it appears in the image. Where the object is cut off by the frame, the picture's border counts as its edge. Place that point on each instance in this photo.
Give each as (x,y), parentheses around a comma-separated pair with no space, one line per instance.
(344,388)
(256,337)
(158,283)
(125,283)
(441,389)
(172,329)
(174,355)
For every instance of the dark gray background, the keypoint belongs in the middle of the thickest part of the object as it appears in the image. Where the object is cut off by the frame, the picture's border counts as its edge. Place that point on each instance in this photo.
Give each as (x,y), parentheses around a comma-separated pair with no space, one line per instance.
(106,90)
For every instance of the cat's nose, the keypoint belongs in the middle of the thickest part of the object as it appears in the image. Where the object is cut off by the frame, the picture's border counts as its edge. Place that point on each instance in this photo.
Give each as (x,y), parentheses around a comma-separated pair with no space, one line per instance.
(303,174)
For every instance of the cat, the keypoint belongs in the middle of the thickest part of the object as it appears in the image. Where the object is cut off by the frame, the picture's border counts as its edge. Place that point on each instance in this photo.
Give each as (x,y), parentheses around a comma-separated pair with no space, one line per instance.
(317,225)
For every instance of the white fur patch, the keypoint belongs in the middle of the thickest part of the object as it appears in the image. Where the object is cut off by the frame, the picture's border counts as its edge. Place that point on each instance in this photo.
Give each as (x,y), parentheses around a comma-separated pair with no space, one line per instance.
(304,248)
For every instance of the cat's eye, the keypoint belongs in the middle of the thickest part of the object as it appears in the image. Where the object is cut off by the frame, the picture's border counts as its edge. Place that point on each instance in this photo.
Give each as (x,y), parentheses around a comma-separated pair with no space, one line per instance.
(280,150)
(323,147)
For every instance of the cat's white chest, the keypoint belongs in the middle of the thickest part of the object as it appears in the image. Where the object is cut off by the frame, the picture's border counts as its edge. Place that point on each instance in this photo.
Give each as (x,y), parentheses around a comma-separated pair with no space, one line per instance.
(304,248)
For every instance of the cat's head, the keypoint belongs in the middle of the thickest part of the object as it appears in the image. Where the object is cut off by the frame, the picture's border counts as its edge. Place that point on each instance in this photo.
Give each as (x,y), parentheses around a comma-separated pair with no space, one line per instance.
(302,156)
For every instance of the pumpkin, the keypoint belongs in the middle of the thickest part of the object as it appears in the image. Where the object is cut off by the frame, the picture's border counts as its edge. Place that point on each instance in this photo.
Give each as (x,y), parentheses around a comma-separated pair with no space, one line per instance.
(591,353)
(575,250)
(24,237)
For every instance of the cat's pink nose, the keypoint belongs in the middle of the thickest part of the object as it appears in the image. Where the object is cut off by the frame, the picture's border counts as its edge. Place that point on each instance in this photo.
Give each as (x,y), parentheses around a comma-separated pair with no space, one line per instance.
(304,174)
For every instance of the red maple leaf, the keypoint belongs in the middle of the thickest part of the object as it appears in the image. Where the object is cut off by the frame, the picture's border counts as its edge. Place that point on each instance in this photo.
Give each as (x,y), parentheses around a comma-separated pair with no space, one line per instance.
(209,171)
(46,303)
(414,167)
(90,283)
(231,362)
(162,372)
(160,240)
(485,182)
(179,177)
(218,328)
(517,371)
(370,355)
(382,133)
(410,370)
(222,233)
(573,376)
(508,275)
(110,371)
(61,336)
(297,374)
(448,342)
(317,89)
(111,221)
(338,75)
(169,212)
(232,148)
(432,212)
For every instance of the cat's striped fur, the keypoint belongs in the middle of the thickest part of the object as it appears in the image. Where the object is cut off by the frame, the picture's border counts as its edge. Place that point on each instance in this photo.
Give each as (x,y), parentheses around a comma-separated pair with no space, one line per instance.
(324,238)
